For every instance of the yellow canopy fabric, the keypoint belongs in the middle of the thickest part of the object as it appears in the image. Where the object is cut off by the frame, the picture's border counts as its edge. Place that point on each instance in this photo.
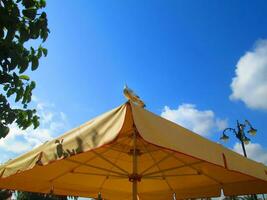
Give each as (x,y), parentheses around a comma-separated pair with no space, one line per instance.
(98,156)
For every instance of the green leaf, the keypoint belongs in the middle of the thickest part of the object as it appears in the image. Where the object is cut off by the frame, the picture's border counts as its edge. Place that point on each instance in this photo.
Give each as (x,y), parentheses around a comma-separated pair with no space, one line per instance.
(10,118)
(35,63)
(24,34)
(30,13)
(23,63)
(28,3)
(18,97)
(44,34)
(45,51)
(15,11)
(40,52)
(5,78)
(43,15)
(32,85)
(26,94)
(4,130)
(10,92)
(19,94)
(6,87)
(42,3)
(17,82)
(32,50)
(24,77)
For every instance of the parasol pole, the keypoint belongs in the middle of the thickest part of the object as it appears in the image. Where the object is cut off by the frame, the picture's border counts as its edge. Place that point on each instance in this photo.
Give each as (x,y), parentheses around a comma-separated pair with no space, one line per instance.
(134,181)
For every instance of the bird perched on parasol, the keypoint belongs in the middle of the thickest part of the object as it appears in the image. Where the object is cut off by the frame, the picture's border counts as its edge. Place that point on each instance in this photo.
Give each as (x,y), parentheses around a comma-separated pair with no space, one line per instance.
(131,96)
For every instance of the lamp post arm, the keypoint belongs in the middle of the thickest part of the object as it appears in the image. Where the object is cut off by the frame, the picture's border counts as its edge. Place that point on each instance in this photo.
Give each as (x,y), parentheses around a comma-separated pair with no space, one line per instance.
(230,129)
(248,123)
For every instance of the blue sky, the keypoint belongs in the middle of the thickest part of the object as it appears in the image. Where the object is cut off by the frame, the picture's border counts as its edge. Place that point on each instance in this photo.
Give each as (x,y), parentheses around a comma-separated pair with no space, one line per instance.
(181,57)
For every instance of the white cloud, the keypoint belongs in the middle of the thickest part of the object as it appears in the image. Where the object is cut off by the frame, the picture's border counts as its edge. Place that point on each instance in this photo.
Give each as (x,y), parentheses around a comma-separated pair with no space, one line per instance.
(221,124)
(19,141)
(202,122)
(46,117)
(254,151)
(15,146)
(250,83)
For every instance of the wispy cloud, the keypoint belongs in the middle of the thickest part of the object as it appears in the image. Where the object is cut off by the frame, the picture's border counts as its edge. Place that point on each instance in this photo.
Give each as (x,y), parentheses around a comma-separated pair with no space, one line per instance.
(202,122)
(52,123)
(250,82)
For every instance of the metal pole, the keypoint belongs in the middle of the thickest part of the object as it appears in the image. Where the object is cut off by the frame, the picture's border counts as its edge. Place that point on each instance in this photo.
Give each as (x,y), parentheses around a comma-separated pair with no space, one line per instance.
(240,136)
(134,185)
(243,147)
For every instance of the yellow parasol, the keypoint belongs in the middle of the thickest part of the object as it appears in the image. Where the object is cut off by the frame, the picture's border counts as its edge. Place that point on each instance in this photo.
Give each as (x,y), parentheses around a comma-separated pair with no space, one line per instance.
(131,153)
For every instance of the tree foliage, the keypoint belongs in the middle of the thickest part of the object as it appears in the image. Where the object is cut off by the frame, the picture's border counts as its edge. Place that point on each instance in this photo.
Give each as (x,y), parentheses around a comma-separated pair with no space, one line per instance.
(21,22)
(37,196)
(5,194)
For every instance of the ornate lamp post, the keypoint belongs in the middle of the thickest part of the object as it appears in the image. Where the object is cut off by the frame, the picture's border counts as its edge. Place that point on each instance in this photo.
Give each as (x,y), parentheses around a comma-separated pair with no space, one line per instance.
(240,134)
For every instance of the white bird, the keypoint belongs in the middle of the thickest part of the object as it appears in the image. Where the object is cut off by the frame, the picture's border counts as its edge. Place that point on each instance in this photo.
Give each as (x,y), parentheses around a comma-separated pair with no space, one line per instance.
(129,94)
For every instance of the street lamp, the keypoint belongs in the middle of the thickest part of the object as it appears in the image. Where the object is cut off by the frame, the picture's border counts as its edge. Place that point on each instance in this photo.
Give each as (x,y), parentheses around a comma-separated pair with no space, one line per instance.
(240,134)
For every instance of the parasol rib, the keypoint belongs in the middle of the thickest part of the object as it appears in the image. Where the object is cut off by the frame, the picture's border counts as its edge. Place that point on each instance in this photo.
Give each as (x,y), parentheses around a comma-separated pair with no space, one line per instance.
(157,165)
(119,154)
(171,175)
(98,174)
(95,167)
(78,165)
(172,168)
(110,162)
(194,168)
(153,165)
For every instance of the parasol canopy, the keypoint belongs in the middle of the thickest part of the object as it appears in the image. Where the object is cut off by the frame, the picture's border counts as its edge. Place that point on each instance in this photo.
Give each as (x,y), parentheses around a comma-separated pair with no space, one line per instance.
(130,153)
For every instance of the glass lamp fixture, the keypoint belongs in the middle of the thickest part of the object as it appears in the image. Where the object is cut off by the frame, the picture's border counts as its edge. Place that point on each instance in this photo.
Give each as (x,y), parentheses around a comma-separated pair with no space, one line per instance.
(246,140)
(252,131)
(224,137)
